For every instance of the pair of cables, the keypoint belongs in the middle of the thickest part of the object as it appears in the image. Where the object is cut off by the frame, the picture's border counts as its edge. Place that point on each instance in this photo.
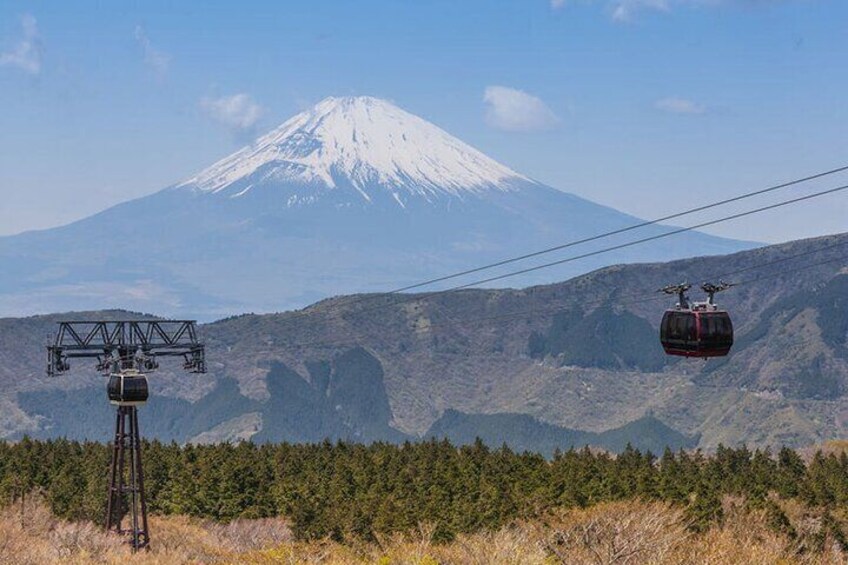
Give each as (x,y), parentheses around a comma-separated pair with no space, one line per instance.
(642,297)
(386,299)
(399,295)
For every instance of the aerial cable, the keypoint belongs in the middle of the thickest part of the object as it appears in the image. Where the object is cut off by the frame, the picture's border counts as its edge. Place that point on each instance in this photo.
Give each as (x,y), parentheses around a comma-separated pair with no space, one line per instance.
(653,237)
(782,259)
(523,313)
(546,312)
(628,298)
(618,231)
(597,237)
(599,301)
(614,247)
(306,312)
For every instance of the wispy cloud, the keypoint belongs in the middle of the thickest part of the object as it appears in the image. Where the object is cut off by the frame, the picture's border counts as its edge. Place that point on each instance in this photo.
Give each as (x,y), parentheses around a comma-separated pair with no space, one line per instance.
(26,53)
(157,60)
(677,105)
(624,10)
(557,4)
(238,112)
(510,109)
(628,10)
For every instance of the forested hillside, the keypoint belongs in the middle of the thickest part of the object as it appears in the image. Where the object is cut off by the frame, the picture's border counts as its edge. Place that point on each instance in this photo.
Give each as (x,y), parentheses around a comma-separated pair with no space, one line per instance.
(578,356)
(351,491)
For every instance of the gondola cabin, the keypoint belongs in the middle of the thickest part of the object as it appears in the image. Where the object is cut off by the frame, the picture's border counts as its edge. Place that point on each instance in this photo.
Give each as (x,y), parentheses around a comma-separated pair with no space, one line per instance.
(699,329)
(693,333)
(127,389)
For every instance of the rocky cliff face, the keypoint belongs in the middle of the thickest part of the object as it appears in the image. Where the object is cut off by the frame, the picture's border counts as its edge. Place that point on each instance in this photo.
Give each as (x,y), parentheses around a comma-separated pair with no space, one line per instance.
(582,355)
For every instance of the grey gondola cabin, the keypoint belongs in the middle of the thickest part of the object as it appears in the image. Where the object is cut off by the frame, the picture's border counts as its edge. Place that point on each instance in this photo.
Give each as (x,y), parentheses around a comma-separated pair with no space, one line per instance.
(127,389)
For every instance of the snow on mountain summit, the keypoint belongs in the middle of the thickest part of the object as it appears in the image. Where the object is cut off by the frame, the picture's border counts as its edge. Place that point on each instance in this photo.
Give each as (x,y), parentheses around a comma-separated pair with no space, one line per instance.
(361,142)
(352,196)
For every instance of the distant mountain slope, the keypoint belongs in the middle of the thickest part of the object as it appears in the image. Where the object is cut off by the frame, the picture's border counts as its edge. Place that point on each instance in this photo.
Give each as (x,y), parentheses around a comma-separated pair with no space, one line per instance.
(351,195)
(350,404)
(582,354)
(525,433)
(605,338)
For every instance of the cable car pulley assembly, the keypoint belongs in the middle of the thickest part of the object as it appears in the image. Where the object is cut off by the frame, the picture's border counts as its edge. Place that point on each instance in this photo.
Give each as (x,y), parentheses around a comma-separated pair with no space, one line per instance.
(125,351)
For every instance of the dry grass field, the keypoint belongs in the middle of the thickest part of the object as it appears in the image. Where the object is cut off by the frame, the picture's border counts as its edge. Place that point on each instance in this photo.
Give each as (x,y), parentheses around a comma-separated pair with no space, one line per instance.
(614,533)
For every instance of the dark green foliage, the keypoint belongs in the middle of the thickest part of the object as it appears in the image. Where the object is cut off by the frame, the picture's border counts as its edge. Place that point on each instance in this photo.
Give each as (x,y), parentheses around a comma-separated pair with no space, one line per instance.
(777,519)
(826,481)
(705,507)
(832,530)
(348,490)
(790,472)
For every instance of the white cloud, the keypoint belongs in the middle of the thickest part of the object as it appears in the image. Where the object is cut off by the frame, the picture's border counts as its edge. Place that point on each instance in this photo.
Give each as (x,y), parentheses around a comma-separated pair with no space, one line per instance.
(627,10)
(26,54)
(677,105)
(238,112)
(509,109)
(623,10)
(557,4)
(157,60)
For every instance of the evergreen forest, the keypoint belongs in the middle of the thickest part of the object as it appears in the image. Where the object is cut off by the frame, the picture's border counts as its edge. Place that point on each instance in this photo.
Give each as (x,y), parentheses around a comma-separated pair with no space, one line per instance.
(346,491)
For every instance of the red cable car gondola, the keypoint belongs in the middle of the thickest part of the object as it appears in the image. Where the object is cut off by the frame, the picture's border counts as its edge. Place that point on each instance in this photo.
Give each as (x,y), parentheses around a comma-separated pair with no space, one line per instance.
(697,330)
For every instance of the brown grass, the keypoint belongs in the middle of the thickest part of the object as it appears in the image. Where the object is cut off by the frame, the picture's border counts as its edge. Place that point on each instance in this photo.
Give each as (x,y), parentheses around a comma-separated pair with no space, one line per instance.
(625,533)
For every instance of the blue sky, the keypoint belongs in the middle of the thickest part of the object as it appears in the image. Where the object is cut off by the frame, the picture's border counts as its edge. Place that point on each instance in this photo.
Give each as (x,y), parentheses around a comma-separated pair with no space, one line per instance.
(649,106)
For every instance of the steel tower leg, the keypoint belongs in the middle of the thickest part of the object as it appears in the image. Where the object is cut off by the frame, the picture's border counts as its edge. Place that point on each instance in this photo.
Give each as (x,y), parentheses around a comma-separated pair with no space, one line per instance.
(127,439)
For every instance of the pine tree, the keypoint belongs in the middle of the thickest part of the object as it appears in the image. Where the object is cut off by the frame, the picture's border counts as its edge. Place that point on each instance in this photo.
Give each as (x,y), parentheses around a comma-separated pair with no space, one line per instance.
(705,508)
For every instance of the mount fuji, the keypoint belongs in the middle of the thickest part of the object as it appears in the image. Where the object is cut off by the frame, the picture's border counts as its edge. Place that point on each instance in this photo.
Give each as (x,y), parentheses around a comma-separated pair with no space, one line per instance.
(352,195)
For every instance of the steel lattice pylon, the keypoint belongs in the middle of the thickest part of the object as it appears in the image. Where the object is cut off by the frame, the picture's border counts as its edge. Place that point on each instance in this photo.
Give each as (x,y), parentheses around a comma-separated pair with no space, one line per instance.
(127,480)
(123,349)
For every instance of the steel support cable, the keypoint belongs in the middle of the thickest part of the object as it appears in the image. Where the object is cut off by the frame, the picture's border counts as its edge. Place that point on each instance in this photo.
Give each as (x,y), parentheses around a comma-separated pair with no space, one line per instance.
(634,296)
(606,249)
(624,298)
(653,237)
(782,259)
(522,313)
(546,312)
(373,296)
(619,231)
(619,298)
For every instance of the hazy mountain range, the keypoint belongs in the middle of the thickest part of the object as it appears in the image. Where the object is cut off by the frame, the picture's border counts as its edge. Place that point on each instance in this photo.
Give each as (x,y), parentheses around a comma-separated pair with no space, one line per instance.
(351,195)
(541,367)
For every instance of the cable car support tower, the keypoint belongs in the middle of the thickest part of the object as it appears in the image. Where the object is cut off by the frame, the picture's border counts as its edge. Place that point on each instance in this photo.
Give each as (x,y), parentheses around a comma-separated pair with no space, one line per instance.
(125,352)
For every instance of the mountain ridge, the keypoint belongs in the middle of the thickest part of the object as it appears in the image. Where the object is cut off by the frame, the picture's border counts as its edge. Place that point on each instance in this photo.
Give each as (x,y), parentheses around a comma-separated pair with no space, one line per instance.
(550,352)
(335,202)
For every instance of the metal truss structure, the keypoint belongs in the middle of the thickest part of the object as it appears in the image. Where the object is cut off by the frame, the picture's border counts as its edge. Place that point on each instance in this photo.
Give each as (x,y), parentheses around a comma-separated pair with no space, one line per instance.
(125,350)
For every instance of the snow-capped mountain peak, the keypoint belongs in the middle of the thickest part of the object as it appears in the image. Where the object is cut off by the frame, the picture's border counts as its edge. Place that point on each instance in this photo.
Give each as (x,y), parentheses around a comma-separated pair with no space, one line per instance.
(361,142)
